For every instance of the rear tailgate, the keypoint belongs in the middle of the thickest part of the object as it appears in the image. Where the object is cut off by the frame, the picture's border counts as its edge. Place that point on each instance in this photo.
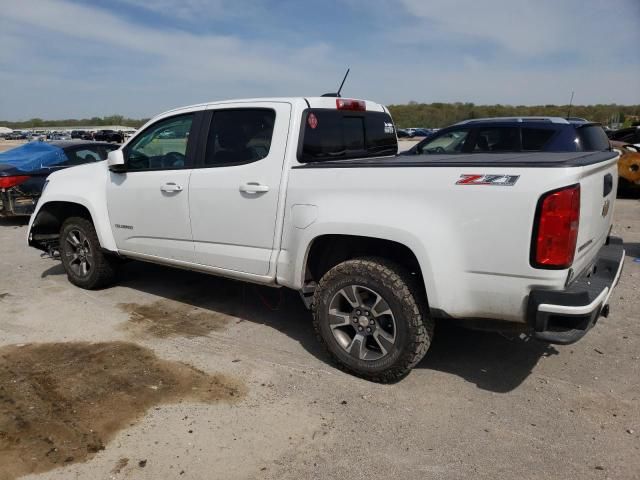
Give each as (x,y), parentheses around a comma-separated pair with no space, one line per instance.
(598,185)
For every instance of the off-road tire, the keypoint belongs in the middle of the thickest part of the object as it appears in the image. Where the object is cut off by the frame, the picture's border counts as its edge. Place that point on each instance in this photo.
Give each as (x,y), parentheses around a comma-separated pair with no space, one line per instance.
(104,268)
(407,301)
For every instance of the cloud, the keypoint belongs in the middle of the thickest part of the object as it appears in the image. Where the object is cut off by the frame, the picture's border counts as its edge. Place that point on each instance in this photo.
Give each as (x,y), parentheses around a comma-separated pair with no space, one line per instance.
(72,59)
(175,62)
(533,28)
(193,10)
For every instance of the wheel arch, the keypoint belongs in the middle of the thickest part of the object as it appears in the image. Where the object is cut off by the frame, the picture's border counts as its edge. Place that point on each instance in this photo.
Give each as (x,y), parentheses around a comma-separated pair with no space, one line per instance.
(51,215)
(328,250)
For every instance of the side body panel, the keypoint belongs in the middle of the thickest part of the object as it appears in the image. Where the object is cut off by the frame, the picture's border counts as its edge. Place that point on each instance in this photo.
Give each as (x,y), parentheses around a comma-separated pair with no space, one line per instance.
(149,207)
(146,219)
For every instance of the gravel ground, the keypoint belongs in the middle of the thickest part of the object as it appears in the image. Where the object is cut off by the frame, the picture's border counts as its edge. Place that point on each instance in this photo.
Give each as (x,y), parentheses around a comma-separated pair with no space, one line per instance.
(235,386)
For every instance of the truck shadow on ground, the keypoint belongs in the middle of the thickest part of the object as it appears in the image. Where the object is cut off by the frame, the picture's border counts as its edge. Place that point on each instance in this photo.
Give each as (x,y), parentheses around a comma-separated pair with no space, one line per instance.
(632,250)
(629,193)
(491,361)
(13,221)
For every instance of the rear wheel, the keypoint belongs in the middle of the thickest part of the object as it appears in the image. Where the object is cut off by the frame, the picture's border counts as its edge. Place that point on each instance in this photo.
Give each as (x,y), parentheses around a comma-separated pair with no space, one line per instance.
(86,265)
(372,318)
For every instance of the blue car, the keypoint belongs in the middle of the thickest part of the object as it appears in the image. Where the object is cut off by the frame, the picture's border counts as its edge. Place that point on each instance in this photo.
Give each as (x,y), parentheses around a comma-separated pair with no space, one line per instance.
(24,169)
(519,134)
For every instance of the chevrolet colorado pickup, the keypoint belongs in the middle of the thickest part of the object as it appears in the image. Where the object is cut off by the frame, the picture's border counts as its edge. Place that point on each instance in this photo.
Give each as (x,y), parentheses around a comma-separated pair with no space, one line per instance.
(309,194)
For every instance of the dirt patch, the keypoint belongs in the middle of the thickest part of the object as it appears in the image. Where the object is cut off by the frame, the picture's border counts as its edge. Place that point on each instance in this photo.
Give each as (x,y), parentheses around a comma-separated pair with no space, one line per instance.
(60,403)
(167,318)
(120,464)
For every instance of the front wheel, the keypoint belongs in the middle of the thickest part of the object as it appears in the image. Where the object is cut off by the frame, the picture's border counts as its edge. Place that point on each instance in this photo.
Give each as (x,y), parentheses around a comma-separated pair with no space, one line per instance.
(86,264)
(372,318)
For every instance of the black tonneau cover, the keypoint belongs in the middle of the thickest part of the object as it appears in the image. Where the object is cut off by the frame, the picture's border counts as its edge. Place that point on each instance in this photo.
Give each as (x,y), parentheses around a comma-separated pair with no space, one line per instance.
(537,159)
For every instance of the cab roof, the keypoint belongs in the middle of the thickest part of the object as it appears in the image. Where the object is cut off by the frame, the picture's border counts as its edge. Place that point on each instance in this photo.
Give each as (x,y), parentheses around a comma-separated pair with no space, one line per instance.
(310,102)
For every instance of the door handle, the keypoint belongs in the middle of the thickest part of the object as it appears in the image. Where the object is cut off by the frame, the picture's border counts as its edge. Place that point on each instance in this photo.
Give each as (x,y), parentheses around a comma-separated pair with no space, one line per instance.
(171,187)
(254,187)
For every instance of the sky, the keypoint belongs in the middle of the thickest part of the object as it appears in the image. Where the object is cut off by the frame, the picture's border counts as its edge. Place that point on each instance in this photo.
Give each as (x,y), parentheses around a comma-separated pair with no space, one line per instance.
(80,58)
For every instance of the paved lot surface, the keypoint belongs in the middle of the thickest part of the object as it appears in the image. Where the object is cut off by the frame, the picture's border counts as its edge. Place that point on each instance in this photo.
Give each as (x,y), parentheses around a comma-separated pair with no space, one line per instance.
(190,376)
(9,144)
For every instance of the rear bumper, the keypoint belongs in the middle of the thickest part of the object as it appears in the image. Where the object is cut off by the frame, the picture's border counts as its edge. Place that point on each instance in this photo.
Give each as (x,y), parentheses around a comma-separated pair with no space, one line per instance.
(13,204)
(565,316)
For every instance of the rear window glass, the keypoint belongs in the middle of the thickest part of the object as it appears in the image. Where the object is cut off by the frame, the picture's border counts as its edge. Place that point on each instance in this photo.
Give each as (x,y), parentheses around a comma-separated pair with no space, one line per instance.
(592,138)
(534,139)
(333,135)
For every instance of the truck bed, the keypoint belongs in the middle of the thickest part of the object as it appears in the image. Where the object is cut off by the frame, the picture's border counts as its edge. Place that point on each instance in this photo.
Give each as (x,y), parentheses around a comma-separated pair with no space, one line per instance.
(473,243)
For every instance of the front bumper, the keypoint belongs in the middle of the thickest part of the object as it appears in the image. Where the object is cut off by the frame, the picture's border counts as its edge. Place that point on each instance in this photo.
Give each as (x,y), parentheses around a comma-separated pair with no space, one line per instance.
(565,316)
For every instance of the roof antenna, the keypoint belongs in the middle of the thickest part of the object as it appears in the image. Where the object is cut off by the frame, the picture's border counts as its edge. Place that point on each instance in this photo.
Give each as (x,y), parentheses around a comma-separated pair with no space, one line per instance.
(337,94)
(570,103)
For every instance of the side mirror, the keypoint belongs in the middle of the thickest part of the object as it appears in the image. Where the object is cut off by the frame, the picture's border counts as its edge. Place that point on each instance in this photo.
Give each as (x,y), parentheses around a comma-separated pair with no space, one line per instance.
(115,161)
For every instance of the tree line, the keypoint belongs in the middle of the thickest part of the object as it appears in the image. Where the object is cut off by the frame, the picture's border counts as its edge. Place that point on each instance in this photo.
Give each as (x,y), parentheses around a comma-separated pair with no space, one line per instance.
(75,122)
(413,114)
(438,115)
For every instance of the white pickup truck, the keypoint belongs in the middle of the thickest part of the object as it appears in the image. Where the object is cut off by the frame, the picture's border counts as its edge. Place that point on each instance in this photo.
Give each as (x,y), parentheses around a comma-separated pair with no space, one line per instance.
(309,194)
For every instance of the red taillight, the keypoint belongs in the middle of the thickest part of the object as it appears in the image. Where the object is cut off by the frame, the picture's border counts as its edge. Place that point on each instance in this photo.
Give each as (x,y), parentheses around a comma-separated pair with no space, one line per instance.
(8,182)
(349,104)
(556,228)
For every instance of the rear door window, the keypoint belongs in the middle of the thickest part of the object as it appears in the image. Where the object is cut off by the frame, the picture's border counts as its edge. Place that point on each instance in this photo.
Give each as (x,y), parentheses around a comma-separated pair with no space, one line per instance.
(239,136)
(591,138)
(496,139)
(333,134)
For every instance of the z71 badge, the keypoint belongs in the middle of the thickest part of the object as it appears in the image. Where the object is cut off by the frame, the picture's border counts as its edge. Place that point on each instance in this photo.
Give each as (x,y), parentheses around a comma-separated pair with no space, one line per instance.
(488,179)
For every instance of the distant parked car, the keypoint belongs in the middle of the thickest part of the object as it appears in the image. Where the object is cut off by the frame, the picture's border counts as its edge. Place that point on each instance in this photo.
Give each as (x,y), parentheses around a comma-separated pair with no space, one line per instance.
(402,133)
(168,134)
(422,132)
(108,136)
(60,136)
(518,134)
(76,134)
(24,169)
(17,136)
(626,135)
